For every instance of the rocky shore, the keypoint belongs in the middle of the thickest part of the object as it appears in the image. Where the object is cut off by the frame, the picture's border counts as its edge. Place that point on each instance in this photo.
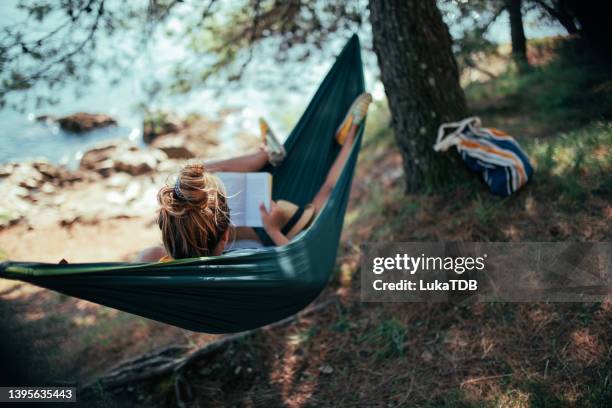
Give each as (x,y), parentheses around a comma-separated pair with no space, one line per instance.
(116,182)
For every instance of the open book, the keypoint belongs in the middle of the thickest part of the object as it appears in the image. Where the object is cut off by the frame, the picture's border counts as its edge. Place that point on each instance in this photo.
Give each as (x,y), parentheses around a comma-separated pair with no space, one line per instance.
(245,191)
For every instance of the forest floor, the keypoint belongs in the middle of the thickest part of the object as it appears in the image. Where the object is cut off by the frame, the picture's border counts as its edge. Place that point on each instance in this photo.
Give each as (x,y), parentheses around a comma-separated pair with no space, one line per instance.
(400,354)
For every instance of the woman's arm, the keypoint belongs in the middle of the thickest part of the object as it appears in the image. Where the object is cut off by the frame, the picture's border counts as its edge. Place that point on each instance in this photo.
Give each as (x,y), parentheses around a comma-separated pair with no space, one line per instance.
(273,223)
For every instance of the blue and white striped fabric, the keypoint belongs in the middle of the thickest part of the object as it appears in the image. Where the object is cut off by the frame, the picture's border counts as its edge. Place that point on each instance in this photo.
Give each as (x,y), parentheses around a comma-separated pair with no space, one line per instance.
(504,165)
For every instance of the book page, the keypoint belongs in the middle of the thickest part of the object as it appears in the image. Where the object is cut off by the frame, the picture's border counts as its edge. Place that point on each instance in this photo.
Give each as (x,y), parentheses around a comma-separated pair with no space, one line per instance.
(245,191)
(259,190)
(235,188)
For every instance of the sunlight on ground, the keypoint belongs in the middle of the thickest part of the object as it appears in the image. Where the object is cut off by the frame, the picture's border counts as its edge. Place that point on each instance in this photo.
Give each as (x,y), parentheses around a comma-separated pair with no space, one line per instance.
(88,320)
(14,290)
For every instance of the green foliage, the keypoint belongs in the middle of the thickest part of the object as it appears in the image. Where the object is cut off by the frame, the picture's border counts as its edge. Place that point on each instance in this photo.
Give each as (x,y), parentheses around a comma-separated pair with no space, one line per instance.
(596,395)
(342,325)
(469,22)
(540,396)
(569,91)
(577,163)
(155,120)
(502,312)
(303,336)
(561,114)
(388,339)
(485,210)
(57,44)
(378,133)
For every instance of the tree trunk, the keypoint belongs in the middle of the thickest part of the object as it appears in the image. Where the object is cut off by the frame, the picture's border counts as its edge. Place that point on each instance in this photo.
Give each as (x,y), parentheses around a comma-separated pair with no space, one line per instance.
(517,33)
(421,81)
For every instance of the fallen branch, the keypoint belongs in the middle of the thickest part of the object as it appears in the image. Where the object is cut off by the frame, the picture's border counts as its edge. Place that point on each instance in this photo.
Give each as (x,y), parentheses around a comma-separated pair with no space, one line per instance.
(162,362)
(488,378)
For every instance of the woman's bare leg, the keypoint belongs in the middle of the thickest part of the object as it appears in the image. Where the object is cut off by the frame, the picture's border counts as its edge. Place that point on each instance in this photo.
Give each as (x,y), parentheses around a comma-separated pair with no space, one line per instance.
(334,172)
(241,164)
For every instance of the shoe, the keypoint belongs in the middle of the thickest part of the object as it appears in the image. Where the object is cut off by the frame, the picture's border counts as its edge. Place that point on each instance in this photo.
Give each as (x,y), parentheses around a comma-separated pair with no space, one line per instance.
(275,150)
(355,116)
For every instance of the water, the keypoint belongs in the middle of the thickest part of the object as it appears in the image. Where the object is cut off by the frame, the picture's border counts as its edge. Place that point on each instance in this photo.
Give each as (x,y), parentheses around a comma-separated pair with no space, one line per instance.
(24,138)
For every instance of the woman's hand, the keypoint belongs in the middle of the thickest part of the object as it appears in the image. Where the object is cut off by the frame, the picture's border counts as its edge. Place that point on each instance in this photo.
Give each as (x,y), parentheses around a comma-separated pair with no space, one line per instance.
(273,221)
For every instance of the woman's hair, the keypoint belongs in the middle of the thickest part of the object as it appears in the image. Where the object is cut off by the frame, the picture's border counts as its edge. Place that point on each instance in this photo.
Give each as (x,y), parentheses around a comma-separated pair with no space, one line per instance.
(193,214)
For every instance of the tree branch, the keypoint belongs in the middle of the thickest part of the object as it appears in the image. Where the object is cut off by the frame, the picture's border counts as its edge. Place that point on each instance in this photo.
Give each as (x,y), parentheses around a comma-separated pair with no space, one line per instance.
(162,362)
(40,73)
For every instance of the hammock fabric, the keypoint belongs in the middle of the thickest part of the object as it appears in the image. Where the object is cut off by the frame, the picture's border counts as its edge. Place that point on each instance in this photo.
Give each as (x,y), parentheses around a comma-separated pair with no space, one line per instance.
(238,291)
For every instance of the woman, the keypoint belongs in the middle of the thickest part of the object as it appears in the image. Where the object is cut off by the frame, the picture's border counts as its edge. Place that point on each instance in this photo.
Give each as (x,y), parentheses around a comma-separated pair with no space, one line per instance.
(194,216)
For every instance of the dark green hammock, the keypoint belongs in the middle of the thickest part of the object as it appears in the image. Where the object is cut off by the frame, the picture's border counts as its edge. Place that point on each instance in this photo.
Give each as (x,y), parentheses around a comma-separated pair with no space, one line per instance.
(248,289)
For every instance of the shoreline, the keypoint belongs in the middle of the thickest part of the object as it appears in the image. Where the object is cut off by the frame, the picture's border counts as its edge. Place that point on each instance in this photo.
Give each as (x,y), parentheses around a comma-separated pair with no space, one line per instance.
(104,210)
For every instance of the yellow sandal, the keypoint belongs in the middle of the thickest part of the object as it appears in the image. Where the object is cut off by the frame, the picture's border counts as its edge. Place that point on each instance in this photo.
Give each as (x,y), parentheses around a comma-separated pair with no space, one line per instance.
(355,116)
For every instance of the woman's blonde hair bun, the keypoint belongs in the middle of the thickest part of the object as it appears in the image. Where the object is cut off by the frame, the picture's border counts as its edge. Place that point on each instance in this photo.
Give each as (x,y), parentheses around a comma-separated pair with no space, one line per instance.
(193,213)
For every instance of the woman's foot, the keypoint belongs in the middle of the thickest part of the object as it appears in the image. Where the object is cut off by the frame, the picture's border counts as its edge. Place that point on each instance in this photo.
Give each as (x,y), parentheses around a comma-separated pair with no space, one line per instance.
(355,116)
(273,148)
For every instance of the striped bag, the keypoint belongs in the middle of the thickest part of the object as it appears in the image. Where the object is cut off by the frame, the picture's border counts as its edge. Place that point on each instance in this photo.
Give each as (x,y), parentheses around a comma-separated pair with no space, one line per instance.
(504,165)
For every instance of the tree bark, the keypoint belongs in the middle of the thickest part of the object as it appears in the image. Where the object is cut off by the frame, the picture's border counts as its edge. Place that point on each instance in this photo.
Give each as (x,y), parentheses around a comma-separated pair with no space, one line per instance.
(421,81)
(517,34)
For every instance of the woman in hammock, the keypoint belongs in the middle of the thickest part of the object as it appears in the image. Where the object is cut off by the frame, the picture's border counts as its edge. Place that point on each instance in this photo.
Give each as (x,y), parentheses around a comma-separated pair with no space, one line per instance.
(194,216)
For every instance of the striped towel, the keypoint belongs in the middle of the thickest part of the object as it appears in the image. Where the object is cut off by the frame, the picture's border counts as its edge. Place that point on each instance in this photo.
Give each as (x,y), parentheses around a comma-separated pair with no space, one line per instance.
(496,155)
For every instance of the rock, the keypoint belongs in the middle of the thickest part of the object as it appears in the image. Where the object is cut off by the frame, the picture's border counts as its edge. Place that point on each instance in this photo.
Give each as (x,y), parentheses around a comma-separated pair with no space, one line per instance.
(15,202)
(21,192)
(26,176)
(159,123)
(84,122)
(48,188)
(6,169)
(121,156)
(98,158)
(426,356)
(105,167)
(326,369)
(48,170)
(75,176)
(169,166)
(134,163)
(175,147)
(8,219)
(119,180)
(138,162)
(68,220)
(132,191)
(58,175)
(46,118)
